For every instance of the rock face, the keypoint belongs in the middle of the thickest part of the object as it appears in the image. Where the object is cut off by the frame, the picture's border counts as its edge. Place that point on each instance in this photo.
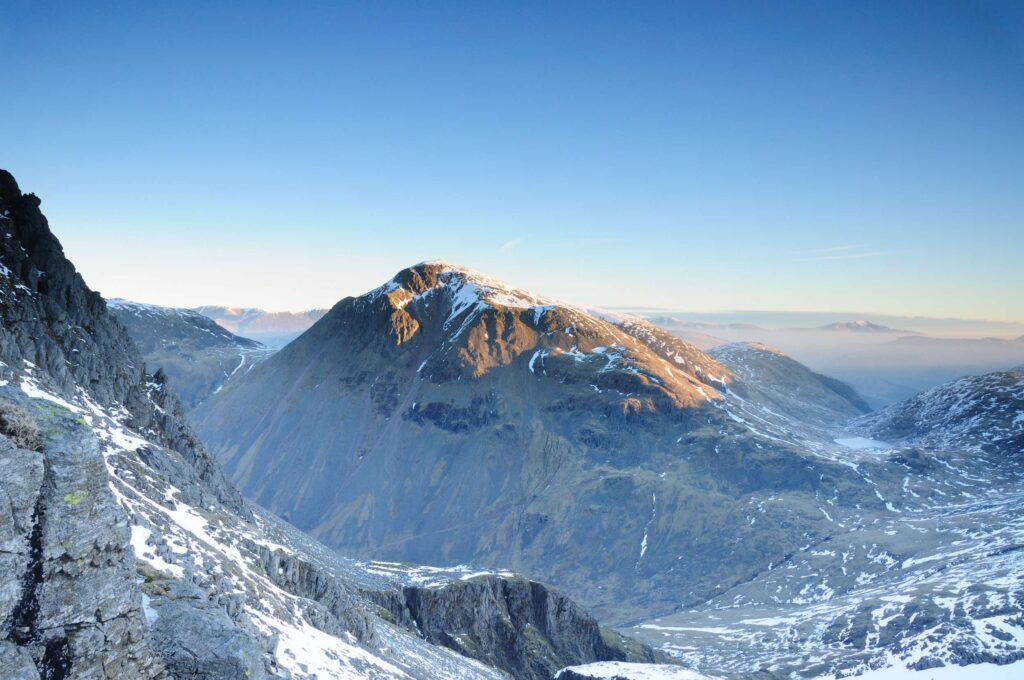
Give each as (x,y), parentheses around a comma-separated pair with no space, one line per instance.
(510,623)
(274,329)
(196,354)
(124,551)
(447,418)
(74,607)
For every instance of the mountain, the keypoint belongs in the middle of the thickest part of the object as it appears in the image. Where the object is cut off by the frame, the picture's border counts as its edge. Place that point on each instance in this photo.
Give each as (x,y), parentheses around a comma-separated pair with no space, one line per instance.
(127,554)
(859,326)
(984,412)
(787,385)
(275,329)
(446,417)
(196,354)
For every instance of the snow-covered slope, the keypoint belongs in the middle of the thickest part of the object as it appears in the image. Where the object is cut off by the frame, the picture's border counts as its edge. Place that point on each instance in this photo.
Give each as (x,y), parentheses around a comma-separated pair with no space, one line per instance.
(617,670)
(194,553)
(935,579)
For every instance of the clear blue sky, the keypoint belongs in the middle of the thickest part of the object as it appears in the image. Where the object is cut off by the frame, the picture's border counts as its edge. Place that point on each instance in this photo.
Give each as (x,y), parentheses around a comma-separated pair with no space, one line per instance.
(820,156)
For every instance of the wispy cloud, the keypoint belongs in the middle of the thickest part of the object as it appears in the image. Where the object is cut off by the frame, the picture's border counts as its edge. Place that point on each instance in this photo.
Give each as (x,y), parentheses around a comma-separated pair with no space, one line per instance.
(845,252)
(510,245)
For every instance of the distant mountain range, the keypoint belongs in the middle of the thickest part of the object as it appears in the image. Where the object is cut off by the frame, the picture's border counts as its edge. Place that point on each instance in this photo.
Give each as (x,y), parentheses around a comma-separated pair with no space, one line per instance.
(778,320)
(860,326)
(274,329)
(884,366)
(674,322)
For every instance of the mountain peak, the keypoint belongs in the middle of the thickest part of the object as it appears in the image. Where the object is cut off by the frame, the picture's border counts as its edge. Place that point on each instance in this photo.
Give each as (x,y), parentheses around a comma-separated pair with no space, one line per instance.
(456,323)
(472,288)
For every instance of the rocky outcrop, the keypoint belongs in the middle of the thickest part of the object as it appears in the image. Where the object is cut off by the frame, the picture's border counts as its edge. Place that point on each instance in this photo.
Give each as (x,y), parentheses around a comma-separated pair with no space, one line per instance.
(72,607)
(340,614)
(518,625)
(196,637)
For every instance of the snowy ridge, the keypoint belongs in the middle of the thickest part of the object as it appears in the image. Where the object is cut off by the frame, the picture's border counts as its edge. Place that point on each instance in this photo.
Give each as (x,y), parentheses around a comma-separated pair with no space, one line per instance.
(469,286)
(198,355)
(145,309)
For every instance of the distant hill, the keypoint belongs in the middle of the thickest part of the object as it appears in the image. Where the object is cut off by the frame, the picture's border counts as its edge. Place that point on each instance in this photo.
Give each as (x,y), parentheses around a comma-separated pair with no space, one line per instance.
(974,412)
(196,354)
(787,386)
(861,326)
(274,329)
(674,322)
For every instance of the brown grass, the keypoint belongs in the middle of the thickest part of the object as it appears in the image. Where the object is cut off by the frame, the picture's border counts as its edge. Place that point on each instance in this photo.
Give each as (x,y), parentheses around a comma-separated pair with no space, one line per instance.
(19,426)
